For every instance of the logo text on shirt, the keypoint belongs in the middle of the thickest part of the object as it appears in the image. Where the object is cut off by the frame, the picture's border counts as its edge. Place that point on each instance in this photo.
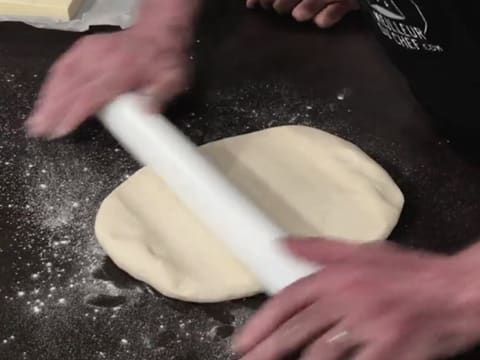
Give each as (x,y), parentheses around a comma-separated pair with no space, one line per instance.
(405,25)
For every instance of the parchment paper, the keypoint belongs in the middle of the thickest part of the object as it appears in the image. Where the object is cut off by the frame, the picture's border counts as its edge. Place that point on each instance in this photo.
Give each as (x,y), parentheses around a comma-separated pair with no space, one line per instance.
(120,13)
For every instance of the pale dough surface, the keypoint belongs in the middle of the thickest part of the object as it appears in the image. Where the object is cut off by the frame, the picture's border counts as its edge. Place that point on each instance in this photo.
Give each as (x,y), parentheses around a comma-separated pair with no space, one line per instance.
(58,9)
(310,182)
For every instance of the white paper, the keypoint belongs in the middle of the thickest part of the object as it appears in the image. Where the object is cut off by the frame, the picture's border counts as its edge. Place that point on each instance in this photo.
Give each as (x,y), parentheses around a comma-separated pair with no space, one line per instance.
(120,13)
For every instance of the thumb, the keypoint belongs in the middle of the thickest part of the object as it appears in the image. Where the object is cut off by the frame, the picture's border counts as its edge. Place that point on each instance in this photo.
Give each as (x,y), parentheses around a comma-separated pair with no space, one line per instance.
(382,253)
(321,250)
(333,13)
(164,88)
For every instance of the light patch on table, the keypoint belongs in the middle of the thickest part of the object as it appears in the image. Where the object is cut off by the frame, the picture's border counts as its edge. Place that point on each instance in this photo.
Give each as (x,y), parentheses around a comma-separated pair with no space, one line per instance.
(58,9)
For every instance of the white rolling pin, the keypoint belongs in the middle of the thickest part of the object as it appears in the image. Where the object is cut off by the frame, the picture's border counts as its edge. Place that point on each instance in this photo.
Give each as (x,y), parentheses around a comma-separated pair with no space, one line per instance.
(252,237)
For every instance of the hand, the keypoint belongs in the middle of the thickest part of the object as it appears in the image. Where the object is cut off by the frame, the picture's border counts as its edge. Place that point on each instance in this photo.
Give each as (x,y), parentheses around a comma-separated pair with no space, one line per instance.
(370,302)
(325,13)
(100,67)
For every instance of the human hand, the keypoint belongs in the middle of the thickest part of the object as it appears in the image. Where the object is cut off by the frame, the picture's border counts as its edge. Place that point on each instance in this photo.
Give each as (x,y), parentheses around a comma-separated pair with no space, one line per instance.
(370,302)
(325,13)
(100,67)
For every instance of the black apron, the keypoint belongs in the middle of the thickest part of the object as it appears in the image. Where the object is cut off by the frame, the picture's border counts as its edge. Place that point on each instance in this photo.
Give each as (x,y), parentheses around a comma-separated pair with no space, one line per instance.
(436,45)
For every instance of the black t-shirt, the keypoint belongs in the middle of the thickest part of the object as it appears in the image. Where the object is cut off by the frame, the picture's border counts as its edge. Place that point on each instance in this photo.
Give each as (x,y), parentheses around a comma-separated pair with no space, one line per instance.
(436,45)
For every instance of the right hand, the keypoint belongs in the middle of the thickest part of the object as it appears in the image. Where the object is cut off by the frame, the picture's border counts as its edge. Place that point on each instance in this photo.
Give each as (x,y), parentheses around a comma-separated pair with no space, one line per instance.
(324,13)
(98,68)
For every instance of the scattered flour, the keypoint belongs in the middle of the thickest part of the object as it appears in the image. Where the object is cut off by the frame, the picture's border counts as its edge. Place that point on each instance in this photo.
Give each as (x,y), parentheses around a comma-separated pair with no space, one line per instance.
(62,299)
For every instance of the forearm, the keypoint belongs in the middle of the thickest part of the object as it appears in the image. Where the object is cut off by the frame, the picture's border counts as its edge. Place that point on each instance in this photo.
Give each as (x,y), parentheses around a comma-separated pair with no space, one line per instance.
(471,255)
(176,17)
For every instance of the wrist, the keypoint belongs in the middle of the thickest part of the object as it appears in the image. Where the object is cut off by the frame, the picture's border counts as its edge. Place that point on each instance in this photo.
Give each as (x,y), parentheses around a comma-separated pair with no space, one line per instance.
(167,21)
(466,267)
(171,36)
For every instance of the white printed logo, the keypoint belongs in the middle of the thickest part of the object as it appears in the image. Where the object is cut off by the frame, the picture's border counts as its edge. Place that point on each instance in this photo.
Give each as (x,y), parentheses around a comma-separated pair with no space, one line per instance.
(388,9)
(405,25)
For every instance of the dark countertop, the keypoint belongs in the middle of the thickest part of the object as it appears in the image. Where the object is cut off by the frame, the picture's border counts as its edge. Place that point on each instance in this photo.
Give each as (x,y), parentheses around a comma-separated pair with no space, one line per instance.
(60,298)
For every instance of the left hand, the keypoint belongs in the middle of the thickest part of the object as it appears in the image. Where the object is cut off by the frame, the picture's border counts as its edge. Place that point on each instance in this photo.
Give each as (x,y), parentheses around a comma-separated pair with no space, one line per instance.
(100,67)
(370,302)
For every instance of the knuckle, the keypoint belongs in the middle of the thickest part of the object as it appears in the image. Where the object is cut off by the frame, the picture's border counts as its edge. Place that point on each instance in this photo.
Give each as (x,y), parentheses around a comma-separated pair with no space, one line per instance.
(282,5)
(309,6)
(85,41)
(322,21)
(94,44)
(404,325)
(124,61)
(295,15)
(355,283)
(400,326)
(68,64)
(381,308)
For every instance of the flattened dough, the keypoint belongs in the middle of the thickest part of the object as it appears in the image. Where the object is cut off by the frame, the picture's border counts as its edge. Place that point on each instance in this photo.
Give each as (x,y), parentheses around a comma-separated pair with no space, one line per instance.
(307,180)
(58,9)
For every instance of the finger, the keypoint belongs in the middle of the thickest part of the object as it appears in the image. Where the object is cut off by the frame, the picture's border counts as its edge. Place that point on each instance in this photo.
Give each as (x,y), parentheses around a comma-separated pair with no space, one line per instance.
(57,85)
(308,9)
(60,77)
(392,351)
(296,332)
(337,251)
(89,101)
(252,3)
(69,70)
(377,253)
(50,117)
(335,344)
(321,250)
(333,251)
(78,105)
(53,99)
(332,14)
(266,4)
(285,6)
(51,108)
(165,87)
(280,308)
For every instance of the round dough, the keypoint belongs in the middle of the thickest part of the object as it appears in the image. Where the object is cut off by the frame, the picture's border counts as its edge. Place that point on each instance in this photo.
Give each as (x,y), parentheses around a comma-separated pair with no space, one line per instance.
(307,180)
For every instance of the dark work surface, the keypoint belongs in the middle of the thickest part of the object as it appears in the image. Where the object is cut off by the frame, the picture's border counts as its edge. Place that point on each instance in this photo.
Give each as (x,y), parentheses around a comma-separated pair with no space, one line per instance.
(59,297)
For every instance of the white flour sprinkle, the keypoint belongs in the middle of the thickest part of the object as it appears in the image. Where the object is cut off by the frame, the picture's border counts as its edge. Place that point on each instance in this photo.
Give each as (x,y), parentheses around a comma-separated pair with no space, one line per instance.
(60,289)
